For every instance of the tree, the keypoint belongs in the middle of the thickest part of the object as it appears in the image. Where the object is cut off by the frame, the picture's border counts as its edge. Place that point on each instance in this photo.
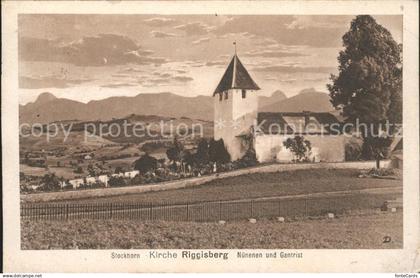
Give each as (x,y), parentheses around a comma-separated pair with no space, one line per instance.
(202,154)
(368,86)
(145,163)
(218,152)
(299,147)
(50,182)
(174,152)
(187,158)
(93,170)
(118,170)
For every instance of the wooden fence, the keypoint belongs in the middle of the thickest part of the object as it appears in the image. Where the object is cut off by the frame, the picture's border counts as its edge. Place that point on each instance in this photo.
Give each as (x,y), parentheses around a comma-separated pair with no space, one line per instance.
(203,211)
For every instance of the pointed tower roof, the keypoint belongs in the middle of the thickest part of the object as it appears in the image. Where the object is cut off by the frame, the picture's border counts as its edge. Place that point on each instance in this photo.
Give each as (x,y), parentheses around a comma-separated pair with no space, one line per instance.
(235,77)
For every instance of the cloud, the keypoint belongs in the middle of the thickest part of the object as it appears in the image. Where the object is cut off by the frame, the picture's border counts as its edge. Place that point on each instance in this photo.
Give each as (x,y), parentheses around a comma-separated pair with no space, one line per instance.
(100,50)
(160,81)
(195,64)
(266,42)
(319,21)
(163,75)
(199,41)
(315,79)
(290,80)
(159,21)
(283,29)
(120,75)
(248,35)
(130,69)
(159,34)
(118,85)
(195,28)
(295,69)
(293,80)
(182,78)
(216,63)
(163,79)
(27,82)
(272,54)
(269,78)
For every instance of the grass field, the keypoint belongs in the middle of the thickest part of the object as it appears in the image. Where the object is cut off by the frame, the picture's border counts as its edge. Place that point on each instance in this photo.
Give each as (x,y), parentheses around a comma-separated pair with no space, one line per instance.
(258,185)
(365,230)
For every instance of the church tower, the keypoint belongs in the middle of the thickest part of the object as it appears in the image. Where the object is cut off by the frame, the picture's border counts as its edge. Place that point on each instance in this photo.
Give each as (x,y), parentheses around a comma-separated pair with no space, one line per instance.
(235,108)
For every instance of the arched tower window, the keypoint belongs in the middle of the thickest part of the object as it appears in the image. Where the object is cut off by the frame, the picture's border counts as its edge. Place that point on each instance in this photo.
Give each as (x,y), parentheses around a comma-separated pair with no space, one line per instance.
(220,96)
(243,93)
(226,95)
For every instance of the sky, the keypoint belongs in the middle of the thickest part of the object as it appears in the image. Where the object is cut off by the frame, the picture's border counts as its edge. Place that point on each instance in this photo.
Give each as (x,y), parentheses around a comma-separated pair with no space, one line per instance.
(92,57)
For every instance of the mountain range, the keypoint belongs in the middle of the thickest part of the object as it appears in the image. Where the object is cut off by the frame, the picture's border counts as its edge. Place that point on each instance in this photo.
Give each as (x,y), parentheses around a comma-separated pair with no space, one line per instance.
(48,108)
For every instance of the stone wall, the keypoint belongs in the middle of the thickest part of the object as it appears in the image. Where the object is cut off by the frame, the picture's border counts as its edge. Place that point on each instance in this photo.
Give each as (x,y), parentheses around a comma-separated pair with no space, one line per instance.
(329,148)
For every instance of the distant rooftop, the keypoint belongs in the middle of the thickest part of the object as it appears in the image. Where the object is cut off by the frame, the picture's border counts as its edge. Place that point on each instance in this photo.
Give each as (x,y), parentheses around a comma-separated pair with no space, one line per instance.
(235,77)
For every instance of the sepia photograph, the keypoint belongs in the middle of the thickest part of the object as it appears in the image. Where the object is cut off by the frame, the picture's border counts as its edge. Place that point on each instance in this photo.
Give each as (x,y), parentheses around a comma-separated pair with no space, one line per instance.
(142,134)
(210,131)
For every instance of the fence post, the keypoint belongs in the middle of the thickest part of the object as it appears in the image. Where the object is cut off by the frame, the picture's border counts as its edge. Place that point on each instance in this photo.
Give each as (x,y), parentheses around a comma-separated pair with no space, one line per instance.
(188,212)
(252,208)
(150,211)
(67,211)
(220,210)
(306,207)
(279,208)
(110,211)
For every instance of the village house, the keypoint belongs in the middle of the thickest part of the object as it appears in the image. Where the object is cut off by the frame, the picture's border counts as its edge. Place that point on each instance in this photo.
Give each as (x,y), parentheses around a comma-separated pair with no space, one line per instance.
(76,183)
(131,174)
(236,118)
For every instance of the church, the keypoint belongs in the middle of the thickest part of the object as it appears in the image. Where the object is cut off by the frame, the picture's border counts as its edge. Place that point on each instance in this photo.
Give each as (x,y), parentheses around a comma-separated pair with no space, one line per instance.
(240,125)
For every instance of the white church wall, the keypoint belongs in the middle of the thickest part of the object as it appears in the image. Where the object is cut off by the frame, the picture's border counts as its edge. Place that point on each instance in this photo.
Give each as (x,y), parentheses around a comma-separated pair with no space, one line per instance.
(222,115)
(247,106)
(327,148)
(331,147)
(232,117)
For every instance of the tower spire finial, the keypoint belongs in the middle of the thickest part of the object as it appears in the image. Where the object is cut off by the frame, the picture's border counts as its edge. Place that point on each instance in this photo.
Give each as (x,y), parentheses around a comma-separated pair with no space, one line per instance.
(234,43)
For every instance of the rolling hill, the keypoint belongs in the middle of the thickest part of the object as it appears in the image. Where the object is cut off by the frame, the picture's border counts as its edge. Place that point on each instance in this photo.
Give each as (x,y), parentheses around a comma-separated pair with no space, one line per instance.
(48,108)
(306,100)
(275,97)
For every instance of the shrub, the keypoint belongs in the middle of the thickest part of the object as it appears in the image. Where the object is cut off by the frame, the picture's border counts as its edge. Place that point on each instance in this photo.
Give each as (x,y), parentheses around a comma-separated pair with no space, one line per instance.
(381,172)
(218,152)
(145,163)
(50,182)
(353,151)
(116,181)
(299,147)
(138,179)
(248,160)
(118,170)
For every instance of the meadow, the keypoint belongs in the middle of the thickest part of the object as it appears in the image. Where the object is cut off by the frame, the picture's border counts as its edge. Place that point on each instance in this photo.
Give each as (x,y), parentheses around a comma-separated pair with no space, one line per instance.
(363,230)
(257,186)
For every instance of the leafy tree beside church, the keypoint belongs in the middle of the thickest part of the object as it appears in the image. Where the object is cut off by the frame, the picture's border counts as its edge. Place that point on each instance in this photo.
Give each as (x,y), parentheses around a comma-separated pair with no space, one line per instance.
(368,87)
